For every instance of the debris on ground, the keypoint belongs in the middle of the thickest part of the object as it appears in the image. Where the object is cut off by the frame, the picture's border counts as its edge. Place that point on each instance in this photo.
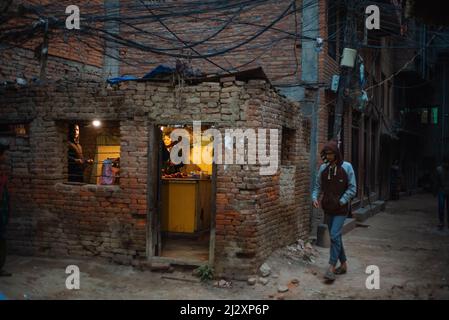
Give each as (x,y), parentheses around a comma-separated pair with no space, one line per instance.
(252,281)
(312,271)
(400,287)
(263,281)
(282,288)
(223,284)
(294,281)
(301,251)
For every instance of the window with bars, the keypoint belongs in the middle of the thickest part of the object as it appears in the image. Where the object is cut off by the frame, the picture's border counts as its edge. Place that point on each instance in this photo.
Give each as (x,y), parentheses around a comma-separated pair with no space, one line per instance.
(93,152)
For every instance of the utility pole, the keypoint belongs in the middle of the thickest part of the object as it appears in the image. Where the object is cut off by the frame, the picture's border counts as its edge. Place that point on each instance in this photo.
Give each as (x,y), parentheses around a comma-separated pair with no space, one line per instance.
(346,73)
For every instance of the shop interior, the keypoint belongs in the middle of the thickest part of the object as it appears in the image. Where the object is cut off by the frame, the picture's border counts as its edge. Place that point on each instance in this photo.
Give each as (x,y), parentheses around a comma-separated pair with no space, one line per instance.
(185,199)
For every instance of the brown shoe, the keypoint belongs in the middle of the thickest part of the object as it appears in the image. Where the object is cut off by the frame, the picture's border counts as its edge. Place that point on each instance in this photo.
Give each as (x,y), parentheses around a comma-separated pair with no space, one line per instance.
(329,276)
(340,270)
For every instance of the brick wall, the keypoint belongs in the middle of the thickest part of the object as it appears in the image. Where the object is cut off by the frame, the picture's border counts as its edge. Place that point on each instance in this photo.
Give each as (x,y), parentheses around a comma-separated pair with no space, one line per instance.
(327,67)
(71,53)
(254,214)
(275,50)
(20,62)
(56,219)
(375,61)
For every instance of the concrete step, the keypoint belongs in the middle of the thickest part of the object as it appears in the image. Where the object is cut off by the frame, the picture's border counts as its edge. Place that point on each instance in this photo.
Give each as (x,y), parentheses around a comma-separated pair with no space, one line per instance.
(380,205)
(361,214)
(349,225)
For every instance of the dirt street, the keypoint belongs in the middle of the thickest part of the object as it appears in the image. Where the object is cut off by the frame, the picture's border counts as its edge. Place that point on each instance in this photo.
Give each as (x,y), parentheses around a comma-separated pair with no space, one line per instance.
(403,242)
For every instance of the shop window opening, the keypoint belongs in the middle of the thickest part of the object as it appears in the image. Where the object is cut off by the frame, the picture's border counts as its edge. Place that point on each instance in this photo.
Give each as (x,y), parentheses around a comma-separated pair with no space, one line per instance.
(93,152)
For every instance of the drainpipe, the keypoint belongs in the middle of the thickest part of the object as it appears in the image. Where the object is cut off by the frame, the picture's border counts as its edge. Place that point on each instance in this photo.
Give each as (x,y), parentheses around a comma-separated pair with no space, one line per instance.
(111,60)
(309,74)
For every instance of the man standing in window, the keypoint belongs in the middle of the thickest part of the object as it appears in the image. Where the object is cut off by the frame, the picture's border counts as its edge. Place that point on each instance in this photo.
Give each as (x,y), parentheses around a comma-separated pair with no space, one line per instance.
(336,180)
(76,161)
(4,208)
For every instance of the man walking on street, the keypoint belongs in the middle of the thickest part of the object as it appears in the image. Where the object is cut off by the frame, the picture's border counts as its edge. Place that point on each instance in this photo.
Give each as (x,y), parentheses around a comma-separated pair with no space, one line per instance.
(336,181)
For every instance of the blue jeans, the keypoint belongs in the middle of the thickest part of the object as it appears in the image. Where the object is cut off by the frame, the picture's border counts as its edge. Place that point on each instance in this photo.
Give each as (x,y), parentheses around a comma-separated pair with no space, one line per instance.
(443,200)
(335,225)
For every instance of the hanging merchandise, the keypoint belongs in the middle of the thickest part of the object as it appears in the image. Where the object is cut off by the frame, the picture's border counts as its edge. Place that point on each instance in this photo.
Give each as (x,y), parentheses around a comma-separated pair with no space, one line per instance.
(107,176)
(362,75)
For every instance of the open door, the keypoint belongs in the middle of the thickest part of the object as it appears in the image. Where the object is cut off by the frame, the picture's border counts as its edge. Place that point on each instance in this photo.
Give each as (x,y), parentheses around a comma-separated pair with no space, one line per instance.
(182,224)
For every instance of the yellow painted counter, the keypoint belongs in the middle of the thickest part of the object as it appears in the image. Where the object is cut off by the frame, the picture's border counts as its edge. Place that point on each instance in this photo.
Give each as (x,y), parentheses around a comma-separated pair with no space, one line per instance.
(185,205)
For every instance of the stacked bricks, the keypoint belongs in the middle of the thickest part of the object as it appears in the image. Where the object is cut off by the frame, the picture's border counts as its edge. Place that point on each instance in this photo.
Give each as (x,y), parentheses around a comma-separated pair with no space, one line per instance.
(255,214)
(21,63)
(71,53)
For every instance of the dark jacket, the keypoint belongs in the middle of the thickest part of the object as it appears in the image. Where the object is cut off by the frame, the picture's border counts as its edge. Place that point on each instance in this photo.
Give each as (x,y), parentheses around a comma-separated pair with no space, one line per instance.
(76,170)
